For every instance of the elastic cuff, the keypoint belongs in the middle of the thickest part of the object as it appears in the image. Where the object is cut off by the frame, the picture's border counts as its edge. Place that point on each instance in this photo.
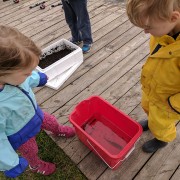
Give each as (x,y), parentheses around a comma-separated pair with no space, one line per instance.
(17,170)
(43,79)
(172,106)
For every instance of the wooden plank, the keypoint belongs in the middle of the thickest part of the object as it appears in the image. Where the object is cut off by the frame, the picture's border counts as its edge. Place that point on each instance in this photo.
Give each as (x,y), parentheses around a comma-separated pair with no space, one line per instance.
(126,26)
(163,163)
(42,24)
(111,70)
(116,23)
(176,175)
(102,32)
(63,112)
(129,104)
(136,160)
(132,166)
(42,17)
(4,5)
(59,33)
(58,100)
(24,14)
(88,65)
(72,151)
(85,94)
(46,92)
(103,42)
(93,159)
(30,15)
(9,7)
(123,84)
(60,28)
(62,144)
(78,151)
(138,111)
(106,20)
(53,19)
(109,78)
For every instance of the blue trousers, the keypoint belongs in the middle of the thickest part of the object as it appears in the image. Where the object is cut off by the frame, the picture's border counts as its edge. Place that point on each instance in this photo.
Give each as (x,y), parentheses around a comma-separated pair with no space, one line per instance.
(77,18)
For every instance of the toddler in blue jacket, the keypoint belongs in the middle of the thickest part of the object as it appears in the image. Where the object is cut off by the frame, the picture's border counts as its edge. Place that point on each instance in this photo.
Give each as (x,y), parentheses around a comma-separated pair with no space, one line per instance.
(21,119)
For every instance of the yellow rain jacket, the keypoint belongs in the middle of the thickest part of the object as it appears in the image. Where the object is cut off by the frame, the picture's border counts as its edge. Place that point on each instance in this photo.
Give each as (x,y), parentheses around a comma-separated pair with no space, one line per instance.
(160,79)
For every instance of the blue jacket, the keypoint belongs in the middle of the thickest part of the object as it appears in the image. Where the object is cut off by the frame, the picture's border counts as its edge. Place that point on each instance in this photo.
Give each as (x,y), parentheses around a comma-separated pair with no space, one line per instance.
(20,119)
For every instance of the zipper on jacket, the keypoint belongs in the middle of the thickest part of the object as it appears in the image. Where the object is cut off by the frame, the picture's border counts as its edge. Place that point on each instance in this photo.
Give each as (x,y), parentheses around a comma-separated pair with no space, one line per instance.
(159,46)
(156,49)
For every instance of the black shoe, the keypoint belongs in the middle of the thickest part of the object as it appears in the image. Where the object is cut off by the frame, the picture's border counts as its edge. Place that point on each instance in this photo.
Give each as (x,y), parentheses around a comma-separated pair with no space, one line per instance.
(153,145)
(144,125)
(75,42)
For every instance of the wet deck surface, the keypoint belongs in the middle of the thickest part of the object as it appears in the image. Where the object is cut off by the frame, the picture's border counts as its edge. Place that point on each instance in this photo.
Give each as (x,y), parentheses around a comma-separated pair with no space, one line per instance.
(111,70)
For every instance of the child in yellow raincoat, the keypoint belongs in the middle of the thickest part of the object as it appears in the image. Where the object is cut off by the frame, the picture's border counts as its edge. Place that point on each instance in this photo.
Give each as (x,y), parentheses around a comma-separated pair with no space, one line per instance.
(160,77)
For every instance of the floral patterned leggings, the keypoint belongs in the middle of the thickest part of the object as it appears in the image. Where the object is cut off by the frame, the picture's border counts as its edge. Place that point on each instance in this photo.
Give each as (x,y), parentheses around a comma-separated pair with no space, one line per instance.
(29,150)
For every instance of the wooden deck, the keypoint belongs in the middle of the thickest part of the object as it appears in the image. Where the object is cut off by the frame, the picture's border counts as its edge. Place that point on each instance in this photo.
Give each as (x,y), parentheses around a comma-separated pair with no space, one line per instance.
(111,70)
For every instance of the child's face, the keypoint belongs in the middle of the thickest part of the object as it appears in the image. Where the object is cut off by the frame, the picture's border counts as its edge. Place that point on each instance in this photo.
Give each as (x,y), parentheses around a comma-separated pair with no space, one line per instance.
(18,76)
(158,27)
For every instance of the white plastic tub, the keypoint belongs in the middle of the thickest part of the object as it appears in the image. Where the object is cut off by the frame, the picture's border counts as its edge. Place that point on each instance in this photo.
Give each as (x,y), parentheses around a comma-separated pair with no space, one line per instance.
(58,81)
(64,63)
(60,71)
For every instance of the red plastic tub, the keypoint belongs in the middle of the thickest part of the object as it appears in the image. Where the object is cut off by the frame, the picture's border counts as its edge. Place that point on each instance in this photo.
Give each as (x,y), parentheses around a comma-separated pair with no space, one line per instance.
(106,130)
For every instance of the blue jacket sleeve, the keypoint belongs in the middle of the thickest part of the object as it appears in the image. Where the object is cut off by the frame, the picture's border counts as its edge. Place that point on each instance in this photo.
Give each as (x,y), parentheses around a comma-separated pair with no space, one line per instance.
(37,79)
(17,170)
(9,160)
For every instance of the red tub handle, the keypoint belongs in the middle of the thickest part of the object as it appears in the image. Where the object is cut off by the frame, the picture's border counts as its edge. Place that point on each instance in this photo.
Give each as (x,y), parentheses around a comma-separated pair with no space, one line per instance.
(104,159)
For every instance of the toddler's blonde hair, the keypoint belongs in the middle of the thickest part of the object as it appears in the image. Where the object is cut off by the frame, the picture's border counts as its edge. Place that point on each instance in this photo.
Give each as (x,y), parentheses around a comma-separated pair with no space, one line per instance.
(161,9)
(17,51)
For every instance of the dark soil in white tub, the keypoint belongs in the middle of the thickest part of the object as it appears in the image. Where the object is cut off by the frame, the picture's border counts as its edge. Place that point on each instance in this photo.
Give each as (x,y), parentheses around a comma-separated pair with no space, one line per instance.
(52,58)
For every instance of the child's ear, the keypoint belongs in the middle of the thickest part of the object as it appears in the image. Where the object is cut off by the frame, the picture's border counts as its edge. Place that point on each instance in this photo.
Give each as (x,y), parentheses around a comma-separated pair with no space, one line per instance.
(175,16)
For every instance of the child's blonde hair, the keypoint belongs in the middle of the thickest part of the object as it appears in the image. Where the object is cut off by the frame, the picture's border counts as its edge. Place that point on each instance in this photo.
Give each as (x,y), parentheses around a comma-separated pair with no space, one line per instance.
(161,9)
(16,50)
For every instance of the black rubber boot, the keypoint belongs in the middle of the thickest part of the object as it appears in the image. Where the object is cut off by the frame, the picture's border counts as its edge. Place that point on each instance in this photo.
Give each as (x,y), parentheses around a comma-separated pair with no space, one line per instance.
(144,124)
(153,145)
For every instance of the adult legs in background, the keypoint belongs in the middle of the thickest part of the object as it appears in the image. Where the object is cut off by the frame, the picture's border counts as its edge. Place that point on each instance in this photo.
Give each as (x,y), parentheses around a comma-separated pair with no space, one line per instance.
(77,18)
(71,20)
